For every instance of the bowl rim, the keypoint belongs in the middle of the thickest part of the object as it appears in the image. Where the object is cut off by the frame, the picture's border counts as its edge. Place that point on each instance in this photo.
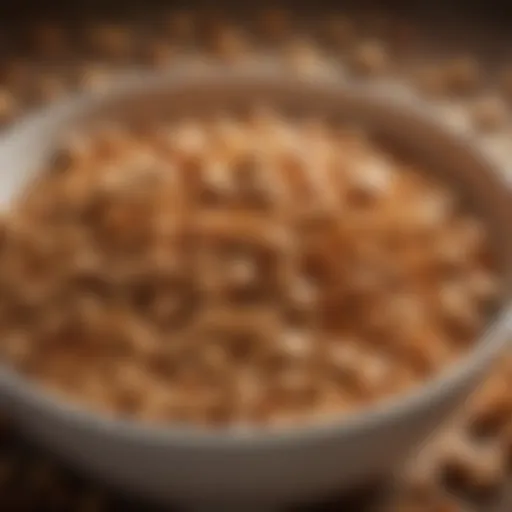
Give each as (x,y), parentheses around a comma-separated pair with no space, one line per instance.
(16,389)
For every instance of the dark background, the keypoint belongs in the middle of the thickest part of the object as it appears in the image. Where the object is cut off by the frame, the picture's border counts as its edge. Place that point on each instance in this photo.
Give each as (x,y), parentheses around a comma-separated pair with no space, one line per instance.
(490,11)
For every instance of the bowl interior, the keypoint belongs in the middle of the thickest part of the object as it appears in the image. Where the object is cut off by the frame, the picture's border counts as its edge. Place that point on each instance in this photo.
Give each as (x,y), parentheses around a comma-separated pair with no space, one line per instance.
(408,126)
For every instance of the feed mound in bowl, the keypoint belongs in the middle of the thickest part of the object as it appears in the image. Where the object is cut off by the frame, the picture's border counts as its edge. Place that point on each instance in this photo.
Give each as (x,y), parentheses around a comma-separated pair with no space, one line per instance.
(238,270)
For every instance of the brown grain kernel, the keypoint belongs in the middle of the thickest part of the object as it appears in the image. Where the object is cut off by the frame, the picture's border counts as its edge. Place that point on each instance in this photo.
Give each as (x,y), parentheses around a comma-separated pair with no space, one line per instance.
(489,114)
(370,58)
(479,468)
(458,309)
(463,75)
(483,286)
(303,57)
(301,300)
(216,187)
(438,501)
(50,88)
(111,40)
(130,383)
(506,83)
(421,476)
(456,77)
(491,408)
(75,150)
(16,348)
(505,443)
(242,273)
(94,78)
(8,106)
(159,54)
(431,79)
(229,44)
(295,388)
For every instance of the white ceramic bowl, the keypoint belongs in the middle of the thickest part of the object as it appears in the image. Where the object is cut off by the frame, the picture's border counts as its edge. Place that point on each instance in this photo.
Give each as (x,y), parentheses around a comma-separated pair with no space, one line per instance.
(191,465)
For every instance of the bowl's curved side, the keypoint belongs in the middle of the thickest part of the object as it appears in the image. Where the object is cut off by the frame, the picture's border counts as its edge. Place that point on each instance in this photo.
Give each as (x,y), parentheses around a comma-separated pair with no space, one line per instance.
(167,471)
(285,465)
